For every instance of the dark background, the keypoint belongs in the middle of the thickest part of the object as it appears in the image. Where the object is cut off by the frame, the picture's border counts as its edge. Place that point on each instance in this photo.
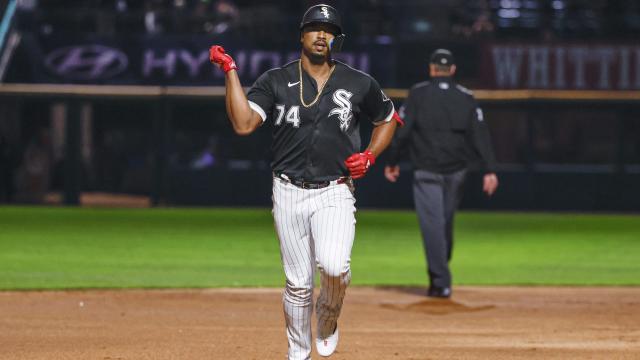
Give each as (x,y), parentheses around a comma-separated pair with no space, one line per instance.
(553,154)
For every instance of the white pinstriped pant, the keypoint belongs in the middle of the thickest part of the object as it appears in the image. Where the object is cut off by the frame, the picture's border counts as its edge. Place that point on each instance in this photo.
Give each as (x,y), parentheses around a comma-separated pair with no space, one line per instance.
(316,227)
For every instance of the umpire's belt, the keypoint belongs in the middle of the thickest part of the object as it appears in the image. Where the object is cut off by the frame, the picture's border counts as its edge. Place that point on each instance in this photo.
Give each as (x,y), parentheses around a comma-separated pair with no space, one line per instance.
(311,184)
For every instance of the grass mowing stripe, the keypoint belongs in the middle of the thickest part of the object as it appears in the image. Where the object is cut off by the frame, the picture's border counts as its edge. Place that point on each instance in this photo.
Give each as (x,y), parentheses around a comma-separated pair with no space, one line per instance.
(51,248)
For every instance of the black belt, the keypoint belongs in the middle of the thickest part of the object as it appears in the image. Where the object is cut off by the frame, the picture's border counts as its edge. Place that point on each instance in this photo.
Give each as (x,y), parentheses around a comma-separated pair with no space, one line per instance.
(303,184)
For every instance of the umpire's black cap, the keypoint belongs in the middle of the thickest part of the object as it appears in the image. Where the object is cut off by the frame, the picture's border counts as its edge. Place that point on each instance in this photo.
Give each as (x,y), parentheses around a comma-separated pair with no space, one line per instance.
(442,57)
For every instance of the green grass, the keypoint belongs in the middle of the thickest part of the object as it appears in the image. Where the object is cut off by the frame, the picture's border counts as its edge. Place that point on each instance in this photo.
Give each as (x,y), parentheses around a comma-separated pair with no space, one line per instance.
(53,248)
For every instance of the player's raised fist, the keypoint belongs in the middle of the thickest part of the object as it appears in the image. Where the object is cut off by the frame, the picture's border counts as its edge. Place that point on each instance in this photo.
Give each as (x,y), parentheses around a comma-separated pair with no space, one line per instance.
(359,163)
(223,60)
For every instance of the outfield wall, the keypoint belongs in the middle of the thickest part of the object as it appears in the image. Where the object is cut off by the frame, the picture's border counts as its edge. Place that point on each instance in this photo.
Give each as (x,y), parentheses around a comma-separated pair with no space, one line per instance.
(557,150)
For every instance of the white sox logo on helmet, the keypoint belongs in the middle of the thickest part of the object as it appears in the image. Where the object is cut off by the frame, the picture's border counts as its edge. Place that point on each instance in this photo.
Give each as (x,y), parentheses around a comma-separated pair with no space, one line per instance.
(325,12)
(341,98)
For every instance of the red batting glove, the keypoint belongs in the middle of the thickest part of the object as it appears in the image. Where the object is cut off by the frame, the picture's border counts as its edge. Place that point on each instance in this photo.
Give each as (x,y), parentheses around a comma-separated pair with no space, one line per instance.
(223,60)
(398,119)
(359,163)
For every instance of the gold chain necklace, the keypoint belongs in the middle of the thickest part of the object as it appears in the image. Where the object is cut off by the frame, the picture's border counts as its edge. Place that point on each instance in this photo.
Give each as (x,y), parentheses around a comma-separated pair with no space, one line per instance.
(319,89)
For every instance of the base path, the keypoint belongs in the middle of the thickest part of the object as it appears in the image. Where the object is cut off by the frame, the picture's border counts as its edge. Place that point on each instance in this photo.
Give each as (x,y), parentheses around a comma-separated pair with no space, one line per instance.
(390,323)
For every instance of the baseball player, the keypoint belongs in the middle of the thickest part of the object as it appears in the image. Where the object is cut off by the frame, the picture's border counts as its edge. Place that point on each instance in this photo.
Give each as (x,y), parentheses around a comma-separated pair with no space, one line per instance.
(315,106)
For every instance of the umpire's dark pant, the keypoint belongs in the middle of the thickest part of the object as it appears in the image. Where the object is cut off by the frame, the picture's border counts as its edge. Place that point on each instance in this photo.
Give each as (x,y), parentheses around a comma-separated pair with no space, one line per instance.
(436,198)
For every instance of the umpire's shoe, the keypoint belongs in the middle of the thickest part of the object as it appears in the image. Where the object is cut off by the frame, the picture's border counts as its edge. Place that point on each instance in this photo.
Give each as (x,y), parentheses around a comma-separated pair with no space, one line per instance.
(439,292)
(326,347)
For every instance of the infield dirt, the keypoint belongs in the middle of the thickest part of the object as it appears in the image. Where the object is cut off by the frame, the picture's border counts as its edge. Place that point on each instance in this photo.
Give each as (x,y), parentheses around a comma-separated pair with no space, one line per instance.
(377,323)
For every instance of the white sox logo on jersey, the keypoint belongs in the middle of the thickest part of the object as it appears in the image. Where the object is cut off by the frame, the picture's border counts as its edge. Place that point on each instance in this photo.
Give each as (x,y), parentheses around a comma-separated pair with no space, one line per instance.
(341,98)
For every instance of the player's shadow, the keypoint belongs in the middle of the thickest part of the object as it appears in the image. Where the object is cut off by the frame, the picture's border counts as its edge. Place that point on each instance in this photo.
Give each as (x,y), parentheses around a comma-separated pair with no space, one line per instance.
(431,306)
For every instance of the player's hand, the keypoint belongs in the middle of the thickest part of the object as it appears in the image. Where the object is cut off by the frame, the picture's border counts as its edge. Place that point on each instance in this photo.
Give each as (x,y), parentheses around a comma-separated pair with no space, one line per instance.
(398,119)
(223,60)
(359,163)
(490,183)
(392,173)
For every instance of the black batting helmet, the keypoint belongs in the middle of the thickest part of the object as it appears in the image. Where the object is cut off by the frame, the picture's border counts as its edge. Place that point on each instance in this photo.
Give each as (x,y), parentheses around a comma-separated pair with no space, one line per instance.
(325,14)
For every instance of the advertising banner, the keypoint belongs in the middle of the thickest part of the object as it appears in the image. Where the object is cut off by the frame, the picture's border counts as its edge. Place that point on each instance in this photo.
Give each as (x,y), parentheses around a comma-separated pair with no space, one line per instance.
(184,60)
(561,67)
(166,60)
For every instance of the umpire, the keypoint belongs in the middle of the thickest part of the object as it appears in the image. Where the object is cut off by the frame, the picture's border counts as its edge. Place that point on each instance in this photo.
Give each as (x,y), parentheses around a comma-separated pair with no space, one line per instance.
(445,132)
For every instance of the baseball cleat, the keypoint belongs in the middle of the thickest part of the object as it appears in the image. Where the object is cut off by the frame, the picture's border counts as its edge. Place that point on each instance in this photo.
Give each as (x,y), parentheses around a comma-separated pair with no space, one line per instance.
(439,292)
(326,347)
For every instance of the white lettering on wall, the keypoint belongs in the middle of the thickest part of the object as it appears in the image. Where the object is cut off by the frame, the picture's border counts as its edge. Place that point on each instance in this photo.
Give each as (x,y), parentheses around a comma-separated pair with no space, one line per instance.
(560,82)
(153,61)
(272,59)
(506,63)
(538,67)
(605,57)
(194,63)
(637,84)
(578,57)
(251,63)
(624,79)
(570,66)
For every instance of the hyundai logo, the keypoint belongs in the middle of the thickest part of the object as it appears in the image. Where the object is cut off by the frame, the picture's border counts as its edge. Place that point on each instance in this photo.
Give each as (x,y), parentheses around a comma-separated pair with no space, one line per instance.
(86,62)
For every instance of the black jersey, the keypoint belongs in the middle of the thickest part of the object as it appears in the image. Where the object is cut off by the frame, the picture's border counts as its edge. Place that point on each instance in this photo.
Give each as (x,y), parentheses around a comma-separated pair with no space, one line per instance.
(311,143)
(444,128)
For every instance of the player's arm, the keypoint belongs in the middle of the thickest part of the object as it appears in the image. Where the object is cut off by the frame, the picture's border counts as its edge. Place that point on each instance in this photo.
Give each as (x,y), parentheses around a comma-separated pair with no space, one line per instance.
(381,137)
(359,163)
(380,109)
(243,118)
